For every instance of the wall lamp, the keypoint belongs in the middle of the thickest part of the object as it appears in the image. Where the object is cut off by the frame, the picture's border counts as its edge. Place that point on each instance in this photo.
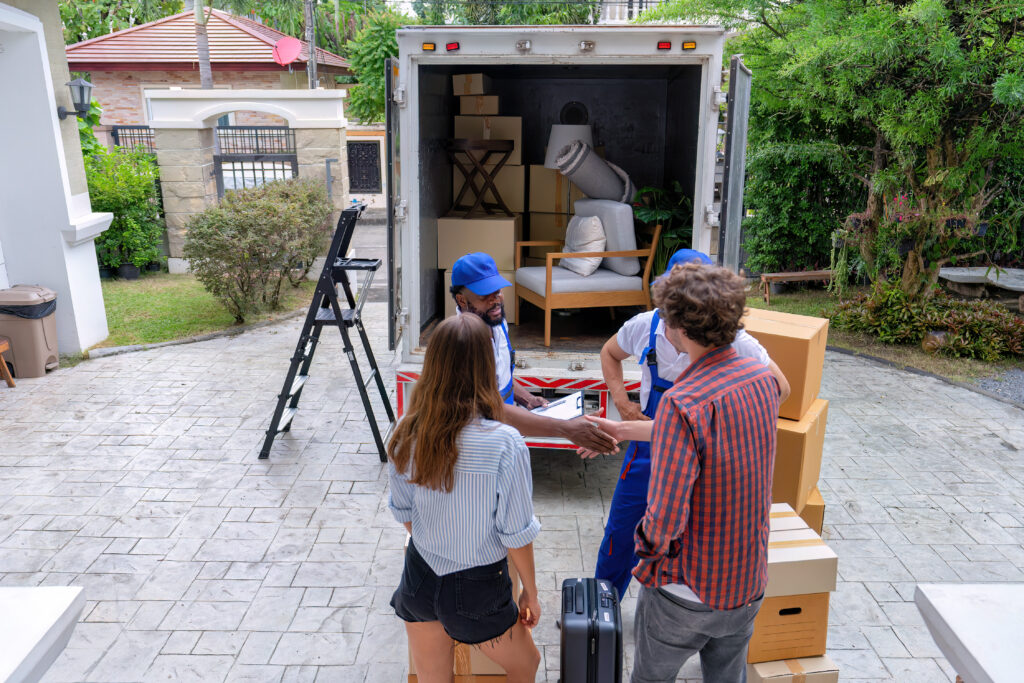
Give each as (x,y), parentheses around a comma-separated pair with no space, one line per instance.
(81,96)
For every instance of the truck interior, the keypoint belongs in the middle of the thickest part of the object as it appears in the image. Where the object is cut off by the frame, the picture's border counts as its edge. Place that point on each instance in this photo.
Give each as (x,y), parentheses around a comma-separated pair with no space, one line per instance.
(644,116)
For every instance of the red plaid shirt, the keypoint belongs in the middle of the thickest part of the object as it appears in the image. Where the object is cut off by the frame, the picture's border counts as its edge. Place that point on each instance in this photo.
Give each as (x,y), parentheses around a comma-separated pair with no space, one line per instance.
(710,491)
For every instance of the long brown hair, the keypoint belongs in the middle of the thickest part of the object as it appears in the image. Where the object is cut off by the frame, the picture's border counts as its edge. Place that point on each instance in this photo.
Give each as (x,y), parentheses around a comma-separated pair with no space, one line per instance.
(456,386)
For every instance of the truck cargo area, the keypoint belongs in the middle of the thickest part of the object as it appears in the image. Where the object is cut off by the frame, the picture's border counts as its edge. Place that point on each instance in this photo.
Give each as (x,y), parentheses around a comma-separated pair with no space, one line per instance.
(645,118)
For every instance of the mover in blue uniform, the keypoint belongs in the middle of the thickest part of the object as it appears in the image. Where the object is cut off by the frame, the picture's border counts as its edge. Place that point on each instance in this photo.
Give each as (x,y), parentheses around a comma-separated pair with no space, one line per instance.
(643,337)
(476,288)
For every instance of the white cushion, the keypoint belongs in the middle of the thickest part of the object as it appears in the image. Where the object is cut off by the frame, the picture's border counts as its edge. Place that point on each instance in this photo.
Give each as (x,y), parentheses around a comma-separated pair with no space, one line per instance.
(563,280)
(617,220)
(583,234)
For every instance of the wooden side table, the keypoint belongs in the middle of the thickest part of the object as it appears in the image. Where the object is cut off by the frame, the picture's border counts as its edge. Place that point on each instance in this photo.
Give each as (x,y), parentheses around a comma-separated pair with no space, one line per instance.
(4,372)
(478,154)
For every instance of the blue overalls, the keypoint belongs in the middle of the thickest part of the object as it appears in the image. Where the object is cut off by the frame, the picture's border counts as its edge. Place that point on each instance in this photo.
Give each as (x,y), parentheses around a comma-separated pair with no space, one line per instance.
(616,558)
(507,395)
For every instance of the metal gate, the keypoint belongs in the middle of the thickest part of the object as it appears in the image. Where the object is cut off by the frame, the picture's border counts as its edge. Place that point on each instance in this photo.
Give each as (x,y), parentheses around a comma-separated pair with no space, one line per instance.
(248,156)
(364,167)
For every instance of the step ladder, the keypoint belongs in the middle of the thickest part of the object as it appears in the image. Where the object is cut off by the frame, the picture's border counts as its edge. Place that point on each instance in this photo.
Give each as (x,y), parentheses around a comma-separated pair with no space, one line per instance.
(326,310)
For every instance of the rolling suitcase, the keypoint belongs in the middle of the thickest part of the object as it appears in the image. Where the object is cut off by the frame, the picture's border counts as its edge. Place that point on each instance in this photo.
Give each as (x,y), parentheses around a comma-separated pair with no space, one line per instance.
(591,636)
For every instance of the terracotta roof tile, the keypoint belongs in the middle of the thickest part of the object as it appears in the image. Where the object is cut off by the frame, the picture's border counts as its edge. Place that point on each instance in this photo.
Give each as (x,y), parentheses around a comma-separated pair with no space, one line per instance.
(233,40)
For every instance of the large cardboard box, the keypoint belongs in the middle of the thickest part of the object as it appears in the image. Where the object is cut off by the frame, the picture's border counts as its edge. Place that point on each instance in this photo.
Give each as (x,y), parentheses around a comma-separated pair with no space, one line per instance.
(552,192)
(797,345)
(507,292)
(510,183)
(471,84)
(798,455)
(478,105)
(495,235)
(547,226)
(806,670)
(814,511)
(790,627)
(493,128)
(799,562)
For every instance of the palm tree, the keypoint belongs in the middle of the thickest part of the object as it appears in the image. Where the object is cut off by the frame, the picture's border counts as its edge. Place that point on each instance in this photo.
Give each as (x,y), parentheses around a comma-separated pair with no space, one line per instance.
(203,45)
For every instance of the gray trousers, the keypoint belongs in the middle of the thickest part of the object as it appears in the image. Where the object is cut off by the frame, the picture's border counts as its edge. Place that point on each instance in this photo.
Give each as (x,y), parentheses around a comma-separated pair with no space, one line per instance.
(670,630)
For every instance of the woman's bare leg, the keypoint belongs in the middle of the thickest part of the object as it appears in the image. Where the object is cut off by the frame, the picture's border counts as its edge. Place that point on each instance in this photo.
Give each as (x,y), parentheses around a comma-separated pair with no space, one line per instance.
(433,651)
(515,652)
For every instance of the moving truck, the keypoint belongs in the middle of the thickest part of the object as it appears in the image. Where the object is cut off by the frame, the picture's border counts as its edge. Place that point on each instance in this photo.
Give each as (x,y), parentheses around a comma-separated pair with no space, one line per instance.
(653,95)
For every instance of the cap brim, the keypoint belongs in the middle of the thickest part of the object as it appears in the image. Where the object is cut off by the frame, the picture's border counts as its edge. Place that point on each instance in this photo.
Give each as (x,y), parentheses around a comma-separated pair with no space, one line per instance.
(488,285)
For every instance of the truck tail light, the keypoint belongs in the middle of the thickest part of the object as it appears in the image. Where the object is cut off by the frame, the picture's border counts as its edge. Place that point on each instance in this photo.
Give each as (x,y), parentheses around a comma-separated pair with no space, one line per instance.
(664,45)
(451,47)
(689,46)
(429,47)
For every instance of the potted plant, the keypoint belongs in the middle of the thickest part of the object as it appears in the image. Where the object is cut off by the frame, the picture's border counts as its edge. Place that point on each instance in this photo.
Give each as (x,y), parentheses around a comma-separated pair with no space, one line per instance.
(124,183)
(673,210)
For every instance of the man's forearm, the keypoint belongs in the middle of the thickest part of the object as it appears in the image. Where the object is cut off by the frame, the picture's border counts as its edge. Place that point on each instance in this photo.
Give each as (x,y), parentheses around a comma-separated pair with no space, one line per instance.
(531,424)
(611,370)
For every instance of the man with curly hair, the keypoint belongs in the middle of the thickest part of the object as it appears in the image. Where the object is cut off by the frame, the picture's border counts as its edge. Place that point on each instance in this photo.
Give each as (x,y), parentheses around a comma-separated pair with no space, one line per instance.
(703,541)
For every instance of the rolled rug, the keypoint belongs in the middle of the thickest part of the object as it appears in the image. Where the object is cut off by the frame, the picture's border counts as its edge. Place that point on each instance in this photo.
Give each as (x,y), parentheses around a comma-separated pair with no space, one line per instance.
(597,178)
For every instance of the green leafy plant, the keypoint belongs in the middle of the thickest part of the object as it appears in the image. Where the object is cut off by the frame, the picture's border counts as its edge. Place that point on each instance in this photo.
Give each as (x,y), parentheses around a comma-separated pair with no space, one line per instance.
(672,209)
(245,249)
(366,53)
(84,19)
(973,329)
(90,145)
(124,182)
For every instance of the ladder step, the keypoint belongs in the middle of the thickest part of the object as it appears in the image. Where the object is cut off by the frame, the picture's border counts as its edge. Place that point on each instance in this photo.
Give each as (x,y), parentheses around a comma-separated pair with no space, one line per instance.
(286,419)
(297,384)
(369,378)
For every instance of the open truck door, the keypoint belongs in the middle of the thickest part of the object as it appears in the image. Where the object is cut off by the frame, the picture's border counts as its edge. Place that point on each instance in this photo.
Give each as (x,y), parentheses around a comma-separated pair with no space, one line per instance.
(738,112)
(395,208)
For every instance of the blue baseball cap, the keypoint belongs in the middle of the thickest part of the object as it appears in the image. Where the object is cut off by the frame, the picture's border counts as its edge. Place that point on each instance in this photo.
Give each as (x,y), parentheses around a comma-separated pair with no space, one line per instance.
(479,273)
(684,256)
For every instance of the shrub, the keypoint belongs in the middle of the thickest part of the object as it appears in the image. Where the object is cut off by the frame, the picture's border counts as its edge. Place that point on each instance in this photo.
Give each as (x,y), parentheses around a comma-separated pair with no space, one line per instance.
(974,329)
(366,53)
(246,248)
(124,182)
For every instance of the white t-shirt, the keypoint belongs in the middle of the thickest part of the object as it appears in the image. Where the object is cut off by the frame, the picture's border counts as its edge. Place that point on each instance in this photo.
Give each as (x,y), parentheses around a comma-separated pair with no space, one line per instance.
(633,337)
(502,359)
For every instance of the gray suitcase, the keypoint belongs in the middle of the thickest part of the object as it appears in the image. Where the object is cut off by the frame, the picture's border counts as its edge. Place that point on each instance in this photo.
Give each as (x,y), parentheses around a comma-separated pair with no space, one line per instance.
(591,636)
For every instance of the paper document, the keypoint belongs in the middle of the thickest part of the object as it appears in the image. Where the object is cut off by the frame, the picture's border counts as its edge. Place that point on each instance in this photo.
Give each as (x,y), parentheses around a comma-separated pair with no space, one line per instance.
(564,408)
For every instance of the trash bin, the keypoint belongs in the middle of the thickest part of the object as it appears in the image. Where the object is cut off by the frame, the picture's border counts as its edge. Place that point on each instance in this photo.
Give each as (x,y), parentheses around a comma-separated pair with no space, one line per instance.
(27,319)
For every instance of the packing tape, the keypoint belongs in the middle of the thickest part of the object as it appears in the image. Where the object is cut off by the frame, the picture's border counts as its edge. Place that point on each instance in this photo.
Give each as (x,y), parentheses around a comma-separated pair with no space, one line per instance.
(803,543)
(779,515)
(559,190)
(487,128)
(799,675)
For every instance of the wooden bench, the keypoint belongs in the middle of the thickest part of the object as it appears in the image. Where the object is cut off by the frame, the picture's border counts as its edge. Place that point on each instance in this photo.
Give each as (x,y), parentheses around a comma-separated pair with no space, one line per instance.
(5,374)
(799,276)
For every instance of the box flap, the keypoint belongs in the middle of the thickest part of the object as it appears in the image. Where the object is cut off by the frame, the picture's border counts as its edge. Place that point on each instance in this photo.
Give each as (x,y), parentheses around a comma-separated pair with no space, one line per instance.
(815,669)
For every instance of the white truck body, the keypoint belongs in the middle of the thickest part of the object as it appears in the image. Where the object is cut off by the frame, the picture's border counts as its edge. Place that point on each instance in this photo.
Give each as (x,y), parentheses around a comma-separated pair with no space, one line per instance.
(656,111)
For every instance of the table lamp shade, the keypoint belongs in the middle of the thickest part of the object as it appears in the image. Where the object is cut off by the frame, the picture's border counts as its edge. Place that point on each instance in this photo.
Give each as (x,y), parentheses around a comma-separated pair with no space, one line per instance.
(562,135)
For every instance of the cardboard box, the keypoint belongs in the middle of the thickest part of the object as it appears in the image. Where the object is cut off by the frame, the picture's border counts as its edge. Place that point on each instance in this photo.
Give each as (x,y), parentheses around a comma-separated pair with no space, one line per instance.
(493,128)
(470,661)
(814,511)
(782,517)
(552,192)
(471,84)
(806,670)
(510,183)
(798,456)
(797,345)
(547,226)
(507,292)
(799,562)
(790,627)
(478,105)
(495,235)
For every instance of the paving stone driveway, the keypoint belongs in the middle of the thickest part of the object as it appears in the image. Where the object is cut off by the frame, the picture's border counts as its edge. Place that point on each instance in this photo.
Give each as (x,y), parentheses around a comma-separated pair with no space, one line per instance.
(136,477)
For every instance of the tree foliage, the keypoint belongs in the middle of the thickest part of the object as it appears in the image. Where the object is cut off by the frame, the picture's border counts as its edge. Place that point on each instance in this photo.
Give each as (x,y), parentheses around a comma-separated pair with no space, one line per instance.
(84,19)
(366,53)
(921,99)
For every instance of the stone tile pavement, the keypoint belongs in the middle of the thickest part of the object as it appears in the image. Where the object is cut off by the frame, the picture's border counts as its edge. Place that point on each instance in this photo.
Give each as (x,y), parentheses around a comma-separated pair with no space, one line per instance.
(136,477)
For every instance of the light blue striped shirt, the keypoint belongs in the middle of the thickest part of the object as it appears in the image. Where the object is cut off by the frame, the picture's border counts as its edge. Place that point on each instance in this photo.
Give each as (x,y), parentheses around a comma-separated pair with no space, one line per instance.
(489,509)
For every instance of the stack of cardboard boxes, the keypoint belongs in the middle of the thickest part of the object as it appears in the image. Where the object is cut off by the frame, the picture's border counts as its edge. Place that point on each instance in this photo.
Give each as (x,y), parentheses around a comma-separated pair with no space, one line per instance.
(495,234)
(797,345)
(791,629)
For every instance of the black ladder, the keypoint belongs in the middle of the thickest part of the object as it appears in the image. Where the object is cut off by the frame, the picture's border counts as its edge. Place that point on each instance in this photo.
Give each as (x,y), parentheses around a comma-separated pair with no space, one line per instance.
(326,310)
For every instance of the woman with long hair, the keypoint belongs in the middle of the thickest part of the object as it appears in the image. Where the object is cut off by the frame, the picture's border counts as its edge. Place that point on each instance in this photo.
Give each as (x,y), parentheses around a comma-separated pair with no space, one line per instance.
(462,486)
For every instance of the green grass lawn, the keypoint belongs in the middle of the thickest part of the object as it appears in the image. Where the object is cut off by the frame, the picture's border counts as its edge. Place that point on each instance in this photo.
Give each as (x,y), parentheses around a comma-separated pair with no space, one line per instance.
(814,301)
(162,307)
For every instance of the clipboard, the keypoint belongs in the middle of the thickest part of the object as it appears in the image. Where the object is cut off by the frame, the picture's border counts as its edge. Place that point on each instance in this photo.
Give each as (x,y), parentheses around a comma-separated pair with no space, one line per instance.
(565,408)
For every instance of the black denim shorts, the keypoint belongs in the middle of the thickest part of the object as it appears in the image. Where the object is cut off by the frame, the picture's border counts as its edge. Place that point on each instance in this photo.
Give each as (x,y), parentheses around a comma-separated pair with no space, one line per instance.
(473,605)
